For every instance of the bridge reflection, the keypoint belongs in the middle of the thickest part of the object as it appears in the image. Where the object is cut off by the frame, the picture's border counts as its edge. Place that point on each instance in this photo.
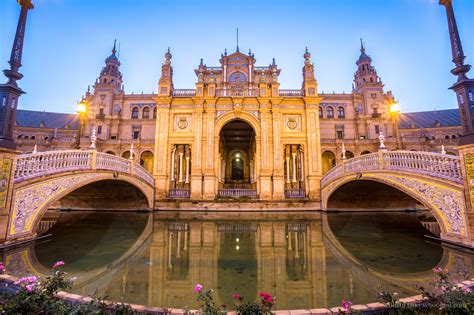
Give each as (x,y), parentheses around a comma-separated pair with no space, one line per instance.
(299,260)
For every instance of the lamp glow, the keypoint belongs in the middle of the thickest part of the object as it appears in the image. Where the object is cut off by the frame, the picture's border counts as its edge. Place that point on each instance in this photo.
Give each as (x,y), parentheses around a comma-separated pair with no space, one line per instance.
(81,107)
(394,108)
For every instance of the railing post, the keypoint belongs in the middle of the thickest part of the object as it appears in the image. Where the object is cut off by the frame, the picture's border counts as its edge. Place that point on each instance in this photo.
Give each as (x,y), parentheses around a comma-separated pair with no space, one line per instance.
(343,166)
(382,159)
(132,168)
(93,160)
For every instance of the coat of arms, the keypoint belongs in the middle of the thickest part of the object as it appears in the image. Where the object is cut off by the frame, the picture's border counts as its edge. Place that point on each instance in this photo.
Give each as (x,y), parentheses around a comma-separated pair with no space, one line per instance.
(182,123)
(292,123)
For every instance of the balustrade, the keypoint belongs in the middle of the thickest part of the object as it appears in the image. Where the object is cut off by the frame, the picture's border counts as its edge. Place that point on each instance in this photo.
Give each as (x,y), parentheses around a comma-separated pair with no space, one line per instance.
(184,92)
(426,163)
(236,193)
(291,93)
(179,193)
(295,193)
(53,162)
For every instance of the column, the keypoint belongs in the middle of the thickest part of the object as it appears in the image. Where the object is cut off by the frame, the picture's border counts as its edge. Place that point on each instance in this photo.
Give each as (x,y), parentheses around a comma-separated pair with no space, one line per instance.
(287,169)
(180,171)
(173,152)
(293,155)
(302,166)
(187,170)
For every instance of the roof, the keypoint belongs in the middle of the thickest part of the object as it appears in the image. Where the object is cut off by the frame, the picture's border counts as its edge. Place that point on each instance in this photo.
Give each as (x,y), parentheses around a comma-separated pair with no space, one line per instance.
(430,119)
(31,118)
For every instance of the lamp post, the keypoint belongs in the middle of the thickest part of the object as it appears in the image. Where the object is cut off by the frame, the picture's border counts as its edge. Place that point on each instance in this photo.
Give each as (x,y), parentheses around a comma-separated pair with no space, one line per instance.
(10,92)
(394,111)
(81,110)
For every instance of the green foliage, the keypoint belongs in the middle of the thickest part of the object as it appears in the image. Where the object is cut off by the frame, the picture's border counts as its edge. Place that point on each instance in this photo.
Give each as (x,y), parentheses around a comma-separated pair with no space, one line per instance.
(445,297)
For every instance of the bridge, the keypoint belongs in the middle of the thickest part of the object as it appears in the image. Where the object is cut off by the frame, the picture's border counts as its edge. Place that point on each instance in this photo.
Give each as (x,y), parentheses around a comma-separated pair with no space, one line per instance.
(434,180)
(40,179)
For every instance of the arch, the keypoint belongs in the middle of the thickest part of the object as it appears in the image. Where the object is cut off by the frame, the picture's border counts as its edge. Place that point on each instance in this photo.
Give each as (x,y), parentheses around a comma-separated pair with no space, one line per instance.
(445,201)
(341,113)
(146,160)
(237,76)
(244,116)
(154,112)
(110,152)
(146,112)
(126,154)
(135,113)
(320,112)
(349,154)
(34,198)
(329,112)
(365,152)
(328,161)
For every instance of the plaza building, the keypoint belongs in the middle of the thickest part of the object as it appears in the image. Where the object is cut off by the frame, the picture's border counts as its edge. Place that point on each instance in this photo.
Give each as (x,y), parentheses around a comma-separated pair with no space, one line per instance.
(237,133)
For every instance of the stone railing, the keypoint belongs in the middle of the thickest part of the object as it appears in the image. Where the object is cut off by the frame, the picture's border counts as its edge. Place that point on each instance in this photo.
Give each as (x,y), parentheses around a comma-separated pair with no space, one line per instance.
(426,163)
(180,193)
(52,162)
(291,93)
(183,92)
(295,193)
(237,192)
(243,92)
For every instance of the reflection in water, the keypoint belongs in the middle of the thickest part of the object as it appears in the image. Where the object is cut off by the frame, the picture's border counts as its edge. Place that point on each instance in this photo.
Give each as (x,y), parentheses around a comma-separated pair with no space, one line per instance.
(305,260)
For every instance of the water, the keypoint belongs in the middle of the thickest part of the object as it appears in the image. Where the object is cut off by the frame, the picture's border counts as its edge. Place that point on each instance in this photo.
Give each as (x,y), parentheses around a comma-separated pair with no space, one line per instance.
(306,260)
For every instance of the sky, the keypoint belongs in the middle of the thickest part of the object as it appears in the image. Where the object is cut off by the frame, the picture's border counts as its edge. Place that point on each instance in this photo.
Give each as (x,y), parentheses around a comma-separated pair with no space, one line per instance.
(67,42)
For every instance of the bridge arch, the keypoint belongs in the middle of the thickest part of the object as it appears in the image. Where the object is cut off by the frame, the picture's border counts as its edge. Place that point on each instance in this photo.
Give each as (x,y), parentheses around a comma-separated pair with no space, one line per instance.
(432,179)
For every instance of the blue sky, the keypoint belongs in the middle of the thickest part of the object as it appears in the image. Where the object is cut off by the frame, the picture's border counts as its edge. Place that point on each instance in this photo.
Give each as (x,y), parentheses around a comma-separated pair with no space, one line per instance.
(68,40)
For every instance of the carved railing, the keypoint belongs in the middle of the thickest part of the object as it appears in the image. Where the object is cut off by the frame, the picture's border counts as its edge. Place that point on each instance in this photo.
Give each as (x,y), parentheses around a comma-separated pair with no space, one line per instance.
(426,163)
(233,92)
(291,93)
(180,193)
(184,92)
(295,193)
(237,193)
(52,162)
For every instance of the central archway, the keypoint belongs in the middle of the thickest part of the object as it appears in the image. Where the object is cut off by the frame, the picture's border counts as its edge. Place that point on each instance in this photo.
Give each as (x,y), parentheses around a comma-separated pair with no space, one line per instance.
(237,150)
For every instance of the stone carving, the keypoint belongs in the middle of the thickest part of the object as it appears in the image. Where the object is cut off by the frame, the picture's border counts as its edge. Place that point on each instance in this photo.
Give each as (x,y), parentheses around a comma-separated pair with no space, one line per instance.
(182,122)
(292,122)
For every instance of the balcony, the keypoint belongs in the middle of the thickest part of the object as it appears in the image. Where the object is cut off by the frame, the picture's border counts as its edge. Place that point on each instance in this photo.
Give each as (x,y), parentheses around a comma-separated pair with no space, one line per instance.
(291,93)
(180,193)
(295,193)
(100,116)
(184,93)
(376,115)
(237,193)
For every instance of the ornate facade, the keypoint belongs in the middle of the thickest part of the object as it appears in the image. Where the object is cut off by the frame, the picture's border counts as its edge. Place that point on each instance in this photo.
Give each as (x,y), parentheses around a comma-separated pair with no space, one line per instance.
(237,133)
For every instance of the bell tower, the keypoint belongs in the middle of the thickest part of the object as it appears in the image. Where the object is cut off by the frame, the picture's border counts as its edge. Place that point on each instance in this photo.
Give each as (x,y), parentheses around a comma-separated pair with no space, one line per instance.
(110,76)
(366,75)
(165,85)
(310,85)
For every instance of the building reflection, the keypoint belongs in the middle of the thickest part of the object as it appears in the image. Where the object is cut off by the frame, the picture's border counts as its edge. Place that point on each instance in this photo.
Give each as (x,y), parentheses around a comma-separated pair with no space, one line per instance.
(299,261)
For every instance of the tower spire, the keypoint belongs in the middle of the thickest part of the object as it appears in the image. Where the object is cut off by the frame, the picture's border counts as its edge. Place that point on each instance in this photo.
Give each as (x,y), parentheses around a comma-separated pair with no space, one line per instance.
(237,39)
(362,48)
(113,49)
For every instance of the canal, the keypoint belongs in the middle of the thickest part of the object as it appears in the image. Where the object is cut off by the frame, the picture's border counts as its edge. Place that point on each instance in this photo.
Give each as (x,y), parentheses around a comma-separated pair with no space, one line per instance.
(307,260)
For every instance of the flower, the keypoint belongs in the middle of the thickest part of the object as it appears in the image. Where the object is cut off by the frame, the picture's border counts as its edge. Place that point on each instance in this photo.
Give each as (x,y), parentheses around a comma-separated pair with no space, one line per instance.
(2,267)
(266,297)
(437,270)
(235,296)
(466,290)
(198,288)
(346,304)
(30,287)
(58,264)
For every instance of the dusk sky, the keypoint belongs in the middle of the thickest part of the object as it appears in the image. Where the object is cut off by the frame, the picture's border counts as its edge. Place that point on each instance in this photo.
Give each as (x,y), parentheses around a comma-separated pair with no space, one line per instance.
(67,42)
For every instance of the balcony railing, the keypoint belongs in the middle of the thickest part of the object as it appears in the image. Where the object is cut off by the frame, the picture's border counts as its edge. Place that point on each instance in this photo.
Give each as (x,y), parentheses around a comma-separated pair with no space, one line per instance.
(295,193)
(100,116)
(184,92)
(237,193)
(177,193)
(291,93)
(230,92)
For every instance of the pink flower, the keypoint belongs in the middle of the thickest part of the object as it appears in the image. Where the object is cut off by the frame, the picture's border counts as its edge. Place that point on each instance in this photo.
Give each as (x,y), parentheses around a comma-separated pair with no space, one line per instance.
(21,281)
(235,296)
(437,270)
(466,290)
(266,297)
(198,288)
(58,264)
(2,267)
(346,304)
(30,287)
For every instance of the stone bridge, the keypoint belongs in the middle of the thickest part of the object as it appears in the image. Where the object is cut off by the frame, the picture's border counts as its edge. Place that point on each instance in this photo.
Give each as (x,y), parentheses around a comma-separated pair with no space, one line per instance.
(40,179)
(434,180)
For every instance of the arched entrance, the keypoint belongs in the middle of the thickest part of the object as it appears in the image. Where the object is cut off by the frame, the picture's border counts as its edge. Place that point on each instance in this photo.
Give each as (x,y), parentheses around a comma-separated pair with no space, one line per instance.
(237,150)
(146,160)
(328,161)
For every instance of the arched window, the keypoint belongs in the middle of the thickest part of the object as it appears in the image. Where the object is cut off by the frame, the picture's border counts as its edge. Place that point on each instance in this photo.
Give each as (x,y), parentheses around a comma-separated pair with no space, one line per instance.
(154,113)
(446,137)
(330,112)
(453,137)
(237,77)
(146,113)
(340,112)
(320,112)
(33,137)
(135,112)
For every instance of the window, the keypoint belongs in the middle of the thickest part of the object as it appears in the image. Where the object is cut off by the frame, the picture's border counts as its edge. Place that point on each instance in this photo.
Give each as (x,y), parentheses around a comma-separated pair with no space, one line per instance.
(99,130)
(377,129)
(340,134)
(237,77)
(146,113)
(33,137)
(136,134)
(154,112)
(101,111)
(135,113)
(340,112)
(330,112)
(320,112)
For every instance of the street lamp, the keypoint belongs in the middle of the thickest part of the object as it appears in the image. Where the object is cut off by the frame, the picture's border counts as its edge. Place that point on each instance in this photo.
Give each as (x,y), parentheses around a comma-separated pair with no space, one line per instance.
(394,111)
(81,109)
